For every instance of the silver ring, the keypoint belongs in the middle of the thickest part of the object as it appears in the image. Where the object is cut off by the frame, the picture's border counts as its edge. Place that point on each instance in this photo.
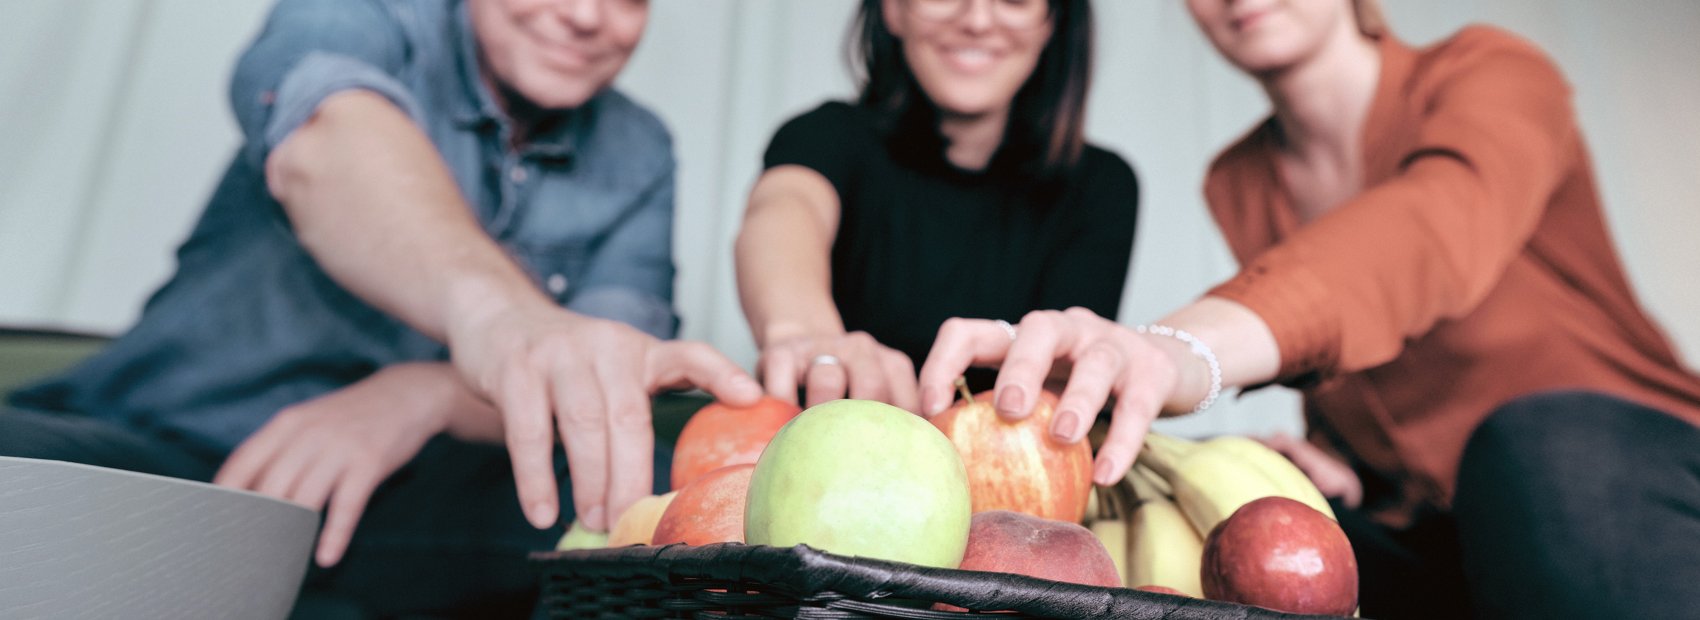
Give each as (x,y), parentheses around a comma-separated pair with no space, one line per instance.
(825,359)
(1007,328)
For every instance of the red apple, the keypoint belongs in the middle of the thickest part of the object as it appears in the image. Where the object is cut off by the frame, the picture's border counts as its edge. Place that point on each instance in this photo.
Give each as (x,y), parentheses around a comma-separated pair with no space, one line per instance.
(1278,553)
(1018,465)
(710,510)
(1011,542)
(721,435)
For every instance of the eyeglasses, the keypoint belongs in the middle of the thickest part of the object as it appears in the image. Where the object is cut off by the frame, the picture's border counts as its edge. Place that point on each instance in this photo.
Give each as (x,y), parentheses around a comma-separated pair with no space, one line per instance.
(1014,14)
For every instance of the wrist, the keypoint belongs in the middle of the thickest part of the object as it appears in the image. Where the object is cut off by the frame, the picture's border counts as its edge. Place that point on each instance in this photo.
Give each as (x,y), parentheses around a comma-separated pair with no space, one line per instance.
(476,300)
(1198,375)
(448,403)
(425,387)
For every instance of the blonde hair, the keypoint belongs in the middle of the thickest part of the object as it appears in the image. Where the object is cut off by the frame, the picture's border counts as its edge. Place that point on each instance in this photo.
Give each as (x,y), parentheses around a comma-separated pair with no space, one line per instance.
(1371,22)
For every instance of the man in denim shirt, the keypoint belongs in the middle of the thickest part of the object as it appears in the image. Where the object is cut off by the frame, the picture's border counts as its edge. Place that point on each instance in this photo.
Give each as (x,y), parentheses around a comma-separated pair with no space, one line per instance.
(421,181)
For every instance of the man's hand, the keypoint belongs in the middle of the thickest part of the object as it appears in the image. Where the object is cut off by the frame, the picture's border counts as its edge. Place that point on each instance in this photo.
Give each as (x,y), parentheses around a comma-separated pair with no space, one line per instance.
(337,448)
(589,380)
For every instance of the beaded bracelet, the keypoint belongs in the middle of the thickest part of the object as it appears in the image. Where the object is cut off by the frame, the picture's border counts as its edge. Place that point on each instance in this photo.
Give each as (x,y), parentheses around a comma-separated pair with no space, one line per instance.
(1198,348)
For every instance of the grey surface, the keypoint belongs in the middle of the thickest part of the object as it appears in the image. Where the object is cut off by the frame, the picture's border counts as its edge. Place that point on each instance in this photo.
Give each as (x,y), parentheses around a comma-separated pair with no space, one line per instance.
(88,542)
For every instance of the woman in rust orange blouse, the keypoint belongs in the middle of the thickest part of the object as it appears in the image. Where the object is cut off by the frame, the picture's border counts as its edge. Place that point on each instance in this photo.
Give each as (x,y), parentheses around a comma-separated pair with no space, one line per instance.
(1425,256)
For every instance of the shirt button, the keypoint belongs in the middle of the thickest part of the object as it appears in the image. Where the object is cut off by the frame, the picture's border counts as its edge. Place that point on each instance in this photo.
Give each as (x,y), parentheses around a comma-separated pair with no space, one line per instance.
(517,174)
(556,284)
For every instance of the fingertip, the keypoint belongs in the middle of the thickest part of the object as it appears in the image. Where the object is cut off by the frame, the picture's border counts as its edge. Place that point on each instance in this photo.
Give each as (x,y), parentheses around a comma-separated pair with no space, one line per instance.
(1065,427)
(595,519)
(930,401)
(541,514)
(743,391)
(326,558)
(1107,472)
(1011,402)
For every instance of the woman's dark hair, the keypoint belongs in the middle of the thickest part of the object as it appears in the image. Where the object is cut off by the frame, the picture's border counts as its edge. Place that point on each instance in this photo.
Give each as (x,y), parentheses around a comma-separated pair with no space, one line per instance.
(1048,116)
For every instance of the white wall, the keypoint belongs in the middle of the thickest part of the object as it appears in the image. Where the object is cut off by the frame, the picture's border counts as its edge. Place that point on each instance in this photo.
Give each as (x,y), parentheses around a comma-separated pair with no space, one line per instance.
(113,127)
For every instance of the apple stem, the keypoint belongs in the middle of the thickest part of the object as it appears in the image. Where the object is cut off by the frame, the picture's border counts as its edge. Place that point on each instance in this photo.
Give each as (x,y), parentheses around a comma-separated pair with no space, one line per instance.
(962,386)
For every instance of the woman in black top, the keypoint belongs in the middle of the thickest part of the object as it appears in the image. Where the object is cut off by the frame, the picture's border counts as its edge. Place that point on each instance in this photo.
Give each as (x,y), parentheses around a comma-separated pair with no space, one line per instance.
(959,185)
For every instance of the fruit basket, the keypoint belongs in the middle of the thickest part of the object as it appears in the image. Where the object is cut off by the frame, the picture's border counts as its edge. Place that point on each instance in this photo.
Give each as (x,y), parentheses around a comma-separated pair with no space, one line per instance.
(734,581)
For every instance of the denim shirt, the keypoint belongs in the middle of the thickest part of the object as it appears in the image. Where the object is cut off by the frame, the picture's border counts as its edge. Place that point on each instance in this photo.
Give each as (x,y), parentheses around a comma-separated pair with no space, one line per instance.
(250,324)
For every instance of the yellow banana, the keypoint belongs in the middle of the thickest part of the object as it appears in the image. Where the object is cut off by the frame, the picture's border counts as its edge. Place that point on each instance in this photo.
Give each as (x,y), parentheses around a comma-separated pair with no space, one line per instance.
(1166,550)
(1208,484)
(1288,477)
(1107,516)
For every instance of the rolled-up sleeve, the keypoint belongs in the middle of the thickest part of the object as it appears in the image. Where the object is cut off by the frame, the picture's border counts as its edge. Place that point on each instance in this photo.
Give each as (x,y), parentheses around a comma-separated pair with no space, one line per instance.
(308,51)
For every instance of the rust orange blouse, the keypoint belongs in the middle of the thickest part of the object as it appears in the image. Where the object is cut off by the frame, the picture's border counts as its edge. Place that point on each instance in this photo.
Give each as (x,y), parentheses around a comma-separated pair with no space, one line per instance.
(1474,268)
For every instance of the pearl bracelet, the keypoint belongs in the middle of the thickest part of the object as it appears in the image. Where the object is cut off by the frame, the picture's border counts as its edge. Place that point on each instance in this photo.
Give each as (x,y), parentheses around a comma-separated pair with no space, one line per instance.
(1198,348)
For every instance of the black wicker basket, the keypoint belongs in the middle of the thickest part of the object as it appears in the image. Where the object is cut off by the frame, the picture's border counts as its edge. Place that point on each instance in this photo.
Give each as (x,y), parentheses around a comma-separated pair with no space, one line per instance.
(735,581)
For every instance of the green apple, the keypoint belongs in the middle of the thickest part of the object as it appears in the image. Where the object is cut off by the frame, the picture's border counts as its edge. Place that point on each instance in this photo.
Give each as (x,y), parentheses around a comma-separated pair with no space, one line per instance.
(580,537)
(861,478)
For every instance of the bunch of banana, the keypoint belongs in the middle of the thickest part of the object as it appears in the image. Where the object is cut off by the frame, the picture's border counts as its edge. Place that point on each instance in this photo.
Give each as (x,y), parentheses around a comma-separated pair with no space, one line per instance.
(1211,479)
(1154,521)
(1164,548)
(1107,516)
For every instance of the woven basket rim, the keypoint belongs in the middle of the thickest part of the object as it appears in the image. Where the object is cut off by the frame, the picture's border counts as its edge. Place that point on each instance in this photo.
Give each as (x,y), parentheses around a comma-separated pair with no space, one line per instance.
(805,569)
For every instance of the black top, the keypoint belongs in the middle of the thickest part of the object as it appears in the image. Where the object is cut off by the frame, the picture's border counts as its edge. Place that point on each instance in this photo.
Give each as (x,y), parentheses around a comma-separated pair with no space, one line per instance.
(920,240)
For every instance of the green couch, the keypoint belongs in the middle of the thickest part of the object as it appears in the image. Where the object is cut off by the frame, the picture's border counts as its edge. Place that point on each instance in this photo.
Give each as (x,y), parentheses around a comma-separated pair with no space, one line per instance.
(30,354)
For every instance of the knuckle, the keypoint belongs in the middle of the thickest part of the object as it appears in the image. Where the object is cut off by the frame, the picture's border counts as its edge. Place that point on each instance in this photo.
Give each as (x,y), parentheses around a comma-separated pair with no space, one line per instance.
(861,338)
(1022,368)
(583,419)
(628,417)
(1078,313)
(531,434)
(692,349)
(537,354)
(952,327)
(1101,354)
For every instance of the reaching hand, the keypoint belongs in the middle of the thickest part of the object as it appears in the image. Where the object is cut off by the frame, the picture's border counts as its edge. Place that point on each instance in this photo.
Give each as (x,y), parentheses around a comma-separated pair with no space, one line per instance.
(1099,357)
(555,373)
(832,366)
(337,448)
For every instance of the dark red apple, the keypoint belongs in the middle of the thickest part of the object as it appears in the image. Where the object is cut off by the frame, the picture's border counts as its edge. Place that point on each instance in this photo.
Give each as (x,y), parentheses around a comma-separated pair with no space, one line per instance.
(1280,554)
(721,435)
(710,510)
(1011,542)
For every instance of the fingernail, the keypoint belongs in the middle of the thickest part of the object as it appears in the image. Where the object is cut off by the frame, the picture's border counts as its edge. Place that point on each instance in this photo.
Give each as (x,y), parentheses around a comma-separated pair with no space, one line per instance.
(596,519)
(1066,426)
(746,384)
(1105,473)
(930,401)
(542,514)
(1009,401)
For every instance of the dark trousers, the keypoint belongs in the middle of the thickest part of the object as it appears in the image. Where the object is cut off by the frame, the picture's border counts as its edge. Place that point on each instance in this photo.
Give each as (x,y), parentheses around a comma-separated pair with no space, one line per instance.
(443,537)
(1568,505)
